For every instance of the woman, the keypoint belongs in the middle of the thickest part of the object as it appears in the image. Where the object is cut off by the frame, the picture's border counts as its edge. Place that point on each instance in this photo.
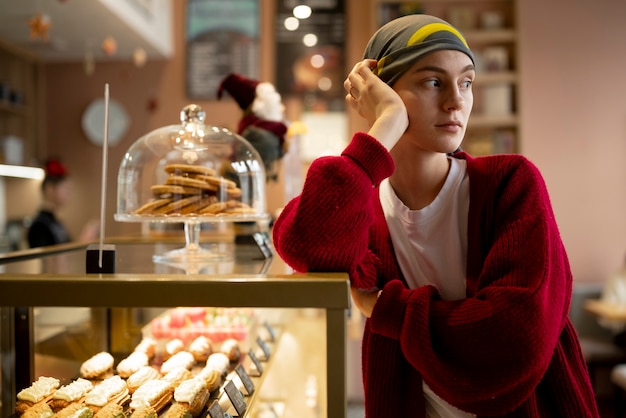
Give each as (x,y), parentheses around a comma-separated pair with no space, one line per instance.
(46,229)
(456,261)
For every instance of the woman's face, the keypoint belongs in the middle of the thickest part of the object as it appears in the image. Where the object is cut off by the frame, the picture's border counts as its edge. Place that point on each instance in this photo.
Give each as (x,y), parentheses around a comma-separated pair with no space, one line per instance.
(437,92)
(62,193)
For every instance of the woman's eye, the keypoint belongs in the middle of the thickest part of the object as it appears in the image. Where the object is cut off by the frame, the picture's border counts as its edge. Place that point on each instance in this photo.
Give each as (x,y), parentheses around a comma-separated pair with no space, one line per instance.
(433,83)
(466,84)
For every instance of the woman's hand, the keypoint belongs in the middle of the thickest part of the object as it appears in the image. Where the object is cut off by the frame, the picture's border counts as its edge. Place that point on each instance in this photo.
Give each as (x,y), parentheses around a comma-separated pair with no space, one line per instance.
(365,300)
(377,103)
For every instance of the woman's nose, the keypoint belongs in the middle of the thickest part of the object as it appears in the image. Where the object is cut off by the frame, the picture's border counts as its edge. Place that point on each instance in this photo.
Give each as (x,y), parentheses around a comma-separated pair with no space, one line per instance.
(454,100)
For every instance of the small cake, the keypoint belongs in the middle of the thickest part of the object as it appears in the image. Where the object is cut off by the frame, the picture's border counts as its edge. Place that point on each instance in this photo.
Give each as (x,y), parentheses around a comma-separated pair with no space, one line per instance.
(132,363)
(70,393)
(97,367)
(39,410)
(111,390)
(141,376)
(219,362)
(192,394)
(201,348)
(230,347)
(111,410)
(154,393)
(38,391)
(148,346)
(75,410)
(172,347)
(180,359)
(177,375)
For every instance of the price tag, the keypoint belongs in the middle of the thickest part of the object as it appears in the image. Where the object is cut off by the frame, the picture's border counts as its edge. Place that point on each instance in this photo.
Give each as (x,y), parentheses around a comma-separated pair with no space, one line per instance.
(215,410)
(264,347)
(256,362)
(271,331)
(245,379)
(263,243)
(236,397)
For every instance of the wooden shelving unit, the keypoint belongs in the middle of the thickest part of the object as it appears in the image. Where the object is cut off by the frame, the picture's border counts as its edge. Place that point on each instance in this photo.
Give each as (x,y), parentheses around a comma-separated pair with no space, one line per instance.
(21,102)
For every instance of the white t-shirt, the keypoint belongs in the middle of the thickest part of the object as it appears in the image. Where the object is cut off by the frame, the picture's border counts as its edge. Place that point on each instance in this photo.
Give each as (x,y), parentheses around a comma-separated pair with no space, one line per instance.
(431,247)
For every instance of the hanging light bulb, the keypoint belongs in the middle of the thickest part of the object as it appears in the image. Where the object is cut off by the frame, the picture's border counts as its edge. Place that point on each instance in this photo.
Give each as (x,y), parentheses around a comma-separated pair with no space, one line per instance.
(302,11)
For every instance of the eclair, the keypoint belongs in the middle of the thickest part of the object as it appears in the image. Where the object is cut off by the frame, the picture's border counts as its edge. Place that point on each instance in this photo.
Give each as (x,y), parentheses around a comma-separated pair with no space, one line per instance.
(219,362)
(144,412)
(193,395)
(230,347)
(97,367)
(154,393)
(177,375)
(39,410)
(172,347)
(132,363)
(70,393)
(177,411)
(141,376)
(147,345)
(212,378)
(201,348)
(180,359)
(111,390)
(75,410)
(111,410)
(39,391)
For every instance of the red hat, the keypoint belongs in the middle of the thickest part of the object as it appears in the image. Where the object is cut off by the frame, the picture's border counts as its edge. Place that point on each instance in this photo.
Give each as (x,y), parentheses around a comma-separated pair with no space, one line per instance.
(241,88)
(55,169)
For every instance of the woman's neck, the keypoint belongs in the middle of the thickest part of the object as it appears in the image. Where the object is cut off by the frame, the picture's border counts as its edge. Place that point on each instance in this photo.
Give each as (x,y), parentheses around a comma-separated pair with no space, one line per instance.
(418,179)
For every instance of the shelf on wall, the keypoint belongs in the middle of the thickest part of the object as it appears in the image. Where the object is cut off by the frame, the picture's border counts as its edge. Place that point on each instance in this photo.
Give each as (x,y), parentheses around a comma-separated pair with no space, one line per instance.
(492,121)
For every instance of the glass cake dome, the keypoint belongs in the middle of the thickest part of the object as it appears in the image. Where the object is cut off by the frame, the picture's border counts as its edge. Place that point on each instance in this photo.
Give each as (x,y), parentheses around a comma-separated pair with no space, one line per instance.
(191,173)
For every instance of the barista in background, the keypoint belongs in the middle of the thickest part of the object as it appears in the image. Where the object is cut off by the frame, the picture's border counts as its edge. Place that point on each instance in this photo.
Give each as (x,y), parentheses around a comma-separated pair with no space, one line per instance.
(46,229)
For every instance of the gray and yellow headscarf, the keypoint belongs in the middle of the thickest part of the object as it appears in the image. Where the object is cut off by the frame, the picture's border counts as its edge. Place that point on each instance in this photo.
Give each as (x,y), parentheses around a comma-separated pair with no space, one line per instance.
(398,44)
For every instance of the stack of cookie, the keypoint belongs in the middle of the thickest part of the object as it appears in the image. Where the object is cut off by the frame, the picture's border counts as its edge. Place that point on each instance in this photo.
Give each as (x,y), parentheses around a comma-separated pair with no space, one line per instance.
(194,190)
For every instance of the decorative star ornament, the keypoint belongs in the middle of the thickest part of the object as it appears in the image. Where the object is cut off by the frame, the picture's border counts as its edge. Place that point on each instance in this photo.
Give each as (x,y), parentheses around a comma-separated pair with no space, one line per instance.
(109,45)
(39,26)
(139,57)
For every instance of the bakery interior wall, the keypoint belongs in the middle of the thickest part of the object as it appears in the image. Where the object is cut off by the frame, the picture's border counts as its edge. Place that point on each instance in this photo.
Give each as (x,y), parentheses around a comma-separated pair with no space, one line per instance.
(573,117)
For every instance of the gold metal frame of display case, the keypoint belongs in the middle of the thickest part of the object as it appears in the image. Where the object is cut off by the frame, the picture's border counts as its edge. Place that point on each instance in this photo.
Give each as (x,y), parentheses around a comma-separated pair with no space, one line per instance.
(327,291)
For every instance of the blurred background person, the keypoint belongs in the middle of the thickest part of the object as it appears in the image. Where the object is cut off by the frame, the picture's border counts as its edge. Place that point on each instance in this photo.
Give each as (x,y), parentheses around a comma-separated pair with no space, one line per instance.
(46,229)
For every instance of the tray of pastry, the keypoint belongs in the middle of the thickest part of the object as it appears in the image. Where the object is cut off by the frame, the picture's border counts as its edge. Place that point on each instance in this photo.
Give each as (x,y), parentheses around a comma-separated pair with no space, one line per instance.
(174,380)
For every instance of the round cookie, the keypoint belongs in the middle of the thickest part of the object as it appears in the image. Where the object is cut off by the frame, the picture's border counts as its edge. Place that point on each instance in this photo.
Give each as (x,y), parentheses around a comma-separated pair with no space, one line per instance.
(218,181)
(176,206)
(188,169)
(214,208)
(189,182)
(149,207)
(196,207)
(162,190)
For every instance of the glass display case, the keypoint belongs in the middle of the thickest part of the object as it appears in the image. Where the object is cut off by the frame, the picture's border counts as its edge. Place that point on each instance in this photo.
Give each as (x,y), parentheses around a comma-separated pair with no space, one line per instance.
(297,337)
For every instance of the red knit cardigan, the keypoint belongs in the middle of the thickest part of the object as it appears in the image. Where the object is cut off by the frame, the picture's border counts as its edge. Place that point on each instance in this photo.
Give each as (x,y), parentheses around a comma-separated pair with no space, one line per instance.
(508,349)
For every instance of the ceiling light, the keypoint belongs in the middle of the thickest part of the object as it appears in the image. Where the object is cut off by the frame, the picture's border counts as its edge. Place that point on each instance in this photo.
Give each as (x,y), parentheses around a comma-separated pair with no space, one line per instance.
(310,39)
(302,11)
(21,171)
(291,23)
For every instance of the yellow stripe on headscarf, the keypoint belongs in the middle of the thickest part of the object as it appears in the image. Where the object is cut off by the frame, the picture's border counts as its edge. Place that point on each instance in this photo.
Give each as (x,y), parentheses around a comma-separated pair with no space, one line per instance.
(427,30)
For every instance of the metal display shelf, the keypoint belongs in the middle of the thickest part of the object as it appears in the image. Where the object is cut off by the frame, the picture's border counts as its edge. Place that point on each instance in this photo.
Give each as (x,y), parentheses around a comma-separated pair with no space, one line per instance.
(57,278)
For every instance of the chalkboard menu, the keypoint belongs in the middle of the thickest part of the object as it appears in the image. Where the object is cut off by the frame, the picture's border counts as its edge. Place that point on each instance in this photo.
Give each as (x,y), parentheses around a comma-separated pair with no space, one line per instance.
(221,37)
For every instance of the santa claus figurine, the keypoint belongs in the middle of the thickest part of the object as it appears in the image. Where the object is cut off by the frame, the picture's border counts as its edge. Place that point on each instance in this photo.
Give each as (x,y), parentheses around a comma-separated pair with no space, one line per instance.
(262,123)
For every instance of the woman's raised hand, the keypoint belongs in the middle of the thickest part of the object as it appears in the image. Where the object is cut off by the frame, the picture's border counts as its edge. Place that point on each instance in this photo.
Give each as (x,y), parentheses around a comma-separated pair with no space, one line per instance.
(377,103)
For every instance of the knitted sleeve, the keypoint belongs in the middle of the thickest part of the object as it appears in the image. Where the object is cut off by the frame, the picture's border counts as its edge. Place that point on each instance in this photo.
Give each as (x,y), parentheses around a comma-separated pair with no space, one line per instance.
(326,227)
(487,353)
